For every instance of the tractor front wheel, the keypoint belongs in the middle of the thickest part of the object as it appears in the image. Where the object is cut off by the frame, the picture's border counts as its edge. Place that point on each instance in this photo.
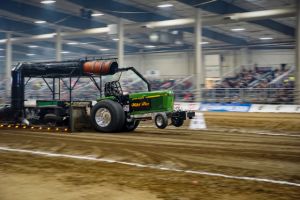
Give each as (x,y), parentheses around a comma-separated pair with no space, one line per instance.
(161,120)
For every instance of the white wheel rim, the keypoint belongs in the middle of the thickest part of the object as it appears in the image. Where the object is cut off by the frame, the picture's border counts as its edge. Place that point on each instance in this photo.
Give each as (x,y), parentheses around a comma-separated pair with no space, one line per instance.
(103,117)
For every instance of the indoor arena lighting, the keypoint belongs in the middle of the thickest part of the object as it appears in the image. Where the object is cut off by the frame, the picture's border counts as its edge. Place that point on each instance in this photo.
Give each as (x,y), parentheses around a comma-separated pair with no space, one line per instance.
(72,43)
(48,2)
(97,14)
(204,42)
(149,46)
(115,39)
(65,52)
(33,46)
(30,54)
(167,5)
(40,22)
(104,49)
(266,38)
(237,29)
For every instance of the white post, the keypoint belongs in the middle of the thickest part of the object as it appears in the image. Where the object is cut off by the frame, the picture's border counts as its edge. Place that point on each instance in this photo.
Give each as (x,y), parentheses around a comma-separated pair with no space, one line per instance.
(244,57)
(297,63)
(121,42)
(199,69)
(8,64)
(58,45)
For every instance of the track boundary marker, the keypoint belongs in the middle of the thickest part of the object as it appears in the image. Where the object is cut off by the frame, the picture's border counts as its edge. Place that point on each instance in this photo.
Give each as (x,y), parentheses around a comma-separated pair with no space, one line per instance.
(204,173)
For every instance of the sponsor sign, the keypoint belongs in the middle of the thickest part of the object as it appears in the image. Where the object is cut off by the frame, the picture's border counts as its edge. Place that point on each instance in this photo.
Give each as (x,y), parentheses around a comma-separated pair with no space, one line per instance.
(198,122)
(186,106)
(140,104)
(225,107)
(275,108)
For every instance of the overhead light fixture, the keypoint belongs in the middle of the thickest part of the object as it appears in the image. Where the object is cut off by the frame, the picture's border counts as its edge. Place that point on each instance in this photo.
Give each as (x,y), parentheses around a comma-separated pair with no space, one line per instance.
(72,43)
(175,32)
(83,43)
(237,29)
(30,54)
(266,38)
(33,46)
(166,5)
(104,49)
(65,52)
(115,39)
(1,56)
(97,14)
(204,42)
(48,2)
(1,49)
(149,46)
(40,22)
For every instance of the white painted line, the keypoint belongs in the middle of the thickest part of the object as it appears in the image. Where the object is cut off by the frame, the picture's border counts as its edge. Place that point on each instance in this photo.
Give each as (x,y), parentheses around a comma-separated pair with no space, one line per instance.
(90,158)
(230,131)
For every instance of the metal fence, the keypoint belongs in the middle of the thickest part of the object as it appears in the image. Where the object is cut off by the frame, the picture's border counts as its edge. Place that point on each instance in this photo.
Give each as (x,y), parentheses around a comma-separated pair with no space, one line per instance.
(250,95)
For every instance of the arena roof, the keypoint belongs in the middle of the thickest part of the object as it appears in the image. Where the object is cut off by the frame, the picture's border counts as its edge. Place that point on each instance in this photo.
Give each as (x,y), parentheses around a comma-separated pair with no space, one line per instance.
(32,17)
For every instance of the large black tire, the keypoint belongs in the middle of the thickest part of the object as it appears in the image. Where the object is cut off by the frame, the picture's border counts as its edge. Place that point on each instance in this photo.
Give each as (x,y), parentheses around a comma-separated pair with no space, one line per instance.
(161,120)
(177,122)
(131,126)
(107,116)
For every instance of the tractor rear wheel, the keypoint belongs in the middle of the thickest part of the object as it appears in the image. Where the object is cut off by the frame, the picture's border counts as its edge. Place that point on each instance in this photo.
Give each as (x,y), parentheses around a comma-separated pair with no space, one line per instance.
(108,116)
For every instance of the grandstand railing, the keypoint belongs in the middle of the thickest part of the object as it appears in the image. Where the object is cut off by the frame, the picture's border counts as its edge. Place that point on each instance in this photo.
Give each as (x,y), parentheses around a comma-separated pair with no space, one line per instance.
(240,95)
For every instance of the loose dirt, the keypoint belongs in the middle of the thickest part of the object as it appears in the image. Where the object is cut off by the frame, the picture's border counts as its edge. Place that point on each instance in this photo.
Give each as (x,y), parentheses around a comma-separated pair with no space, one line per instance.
(231,148)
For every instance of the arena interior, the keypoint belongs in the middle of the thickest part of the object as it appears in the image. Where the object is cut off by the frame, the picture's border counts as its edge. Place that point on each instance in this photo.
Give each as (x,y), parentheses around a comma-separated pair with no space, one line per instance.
(139,99)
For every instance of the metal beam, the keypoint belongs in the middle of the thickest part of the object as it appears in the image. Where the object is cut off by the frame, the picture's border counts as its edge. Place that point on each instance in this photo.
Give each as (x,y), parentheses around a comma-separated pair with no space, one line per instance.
(121,42)
(200,76)
(297,63)
(177,23)
(58,45)
(8,64)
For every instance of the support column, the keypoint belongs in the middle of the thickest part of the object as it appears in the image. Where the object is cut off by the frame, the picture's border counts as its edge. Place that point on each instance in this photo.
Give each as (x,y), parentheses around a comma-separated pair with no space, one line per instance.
(121,43)
(199,69)
(58,45)
(8,65)
(244,57)
(58,50)
(297,62)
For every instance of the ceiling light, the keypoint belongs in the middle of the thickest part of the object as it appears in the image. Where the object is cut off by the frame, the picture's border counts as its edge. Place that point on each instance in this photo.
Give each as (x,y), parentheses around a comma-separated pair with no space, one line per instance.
(266,38)
(48,2)
(32,46)
(65,52)
(175,32)
(97,14)
(30,54)
(40,22)
(1,49)
(204,42)
(167,5)
(104,49)
(72,43)
(115,39)
(237,29)
(149,46)
(83,43)
(1,56)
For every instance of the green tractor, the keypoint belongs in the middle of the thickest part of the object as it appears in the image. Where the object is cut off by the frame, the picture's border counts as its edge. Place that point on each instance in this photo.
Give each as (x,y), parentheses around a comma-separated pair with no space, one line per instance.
(124,103)
(122,111)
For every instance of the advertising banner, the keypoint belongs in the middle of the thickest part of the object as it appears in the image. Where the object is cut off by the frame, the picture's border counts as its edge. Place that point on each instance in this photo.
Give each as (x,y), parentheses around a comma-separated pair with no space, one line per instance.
(225,107)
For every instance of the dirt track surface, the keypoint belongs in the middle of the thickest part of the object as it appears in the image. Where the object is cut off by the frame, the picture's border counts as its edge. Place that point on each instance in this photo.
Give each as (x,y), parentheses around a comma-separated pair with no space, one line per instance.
(234,146)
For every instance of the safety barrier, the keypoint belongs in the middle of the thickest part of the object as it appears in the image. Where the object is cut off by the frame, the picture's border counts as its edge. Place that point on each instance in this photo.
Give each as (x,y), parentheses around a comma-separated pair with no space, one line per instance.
(237,107)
